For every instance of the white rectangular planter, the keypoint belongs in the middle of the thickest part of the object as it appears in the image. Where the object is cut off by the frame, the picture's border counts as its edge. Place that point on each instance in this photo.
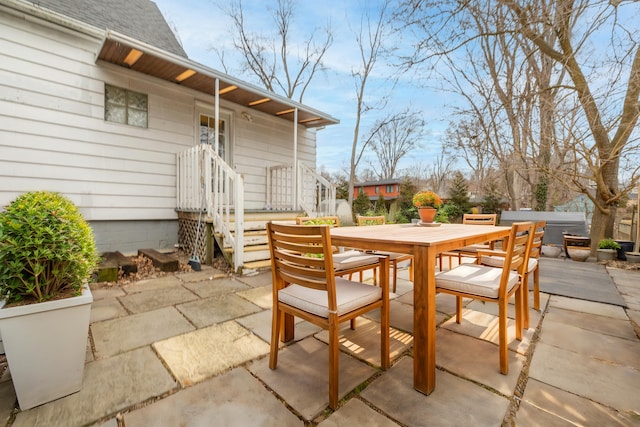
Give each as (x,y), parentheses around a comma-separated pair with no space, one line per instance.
(46,346)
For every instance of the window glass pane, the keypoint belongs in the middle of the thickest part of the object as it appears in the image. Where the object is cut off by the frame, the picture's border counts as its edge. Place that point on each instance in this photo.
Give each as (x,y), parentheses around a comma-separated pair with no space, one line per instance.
(137,101)
(115,114)
(137,118)
(115,95)
(207,132)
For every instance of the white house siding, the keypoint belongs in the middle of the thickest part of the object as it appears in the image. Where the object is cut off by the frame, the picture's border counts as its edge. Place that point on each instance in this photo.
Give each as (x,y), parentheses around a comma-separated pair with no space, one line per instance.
(267,141)
(53,136)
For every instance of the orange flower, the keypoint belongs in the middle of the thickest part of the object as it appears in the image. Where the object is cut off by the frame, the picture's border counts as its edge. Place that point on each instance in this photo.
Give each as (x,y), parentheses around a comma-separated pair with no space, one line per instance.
(427,199)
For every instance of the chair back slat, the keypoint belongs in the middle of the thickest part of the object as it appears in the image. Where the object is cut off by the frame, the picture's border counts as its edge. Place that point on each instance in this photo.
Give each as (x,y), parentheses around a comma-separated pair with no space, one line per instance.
(479,219)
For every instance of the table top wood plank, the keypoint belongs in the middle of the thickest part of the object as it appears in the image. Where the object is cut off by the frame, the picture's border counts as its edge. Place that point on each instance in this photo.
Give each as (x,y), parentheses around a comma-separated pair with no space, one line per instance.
(405,237)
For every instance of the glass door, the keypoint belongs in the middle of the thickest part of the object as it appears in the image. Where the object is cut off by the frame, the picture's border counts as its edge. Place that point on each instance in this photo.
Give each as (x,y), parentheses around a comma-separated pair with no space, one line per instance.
(207,134)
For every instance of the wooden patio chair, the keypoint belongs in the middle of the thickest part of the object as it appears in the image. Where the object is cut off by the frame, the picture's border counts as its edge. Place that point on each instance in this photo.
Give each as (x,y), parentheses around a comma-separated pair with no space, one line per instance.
(487,283)
(532,267)
(305,286)
(394,257)
(471,250)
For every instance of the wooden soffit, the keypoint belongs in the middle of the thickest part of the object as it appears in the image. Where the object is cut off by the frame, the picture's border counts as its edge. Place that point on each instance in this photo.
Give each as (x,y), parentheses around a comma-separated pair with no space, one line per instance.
(128,53)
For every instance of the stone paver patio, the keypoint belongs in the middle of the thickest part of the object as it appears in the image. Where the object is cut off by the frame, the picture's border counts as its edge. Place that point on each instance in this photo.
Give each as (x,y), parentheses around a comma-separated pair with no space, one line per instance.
(192,349)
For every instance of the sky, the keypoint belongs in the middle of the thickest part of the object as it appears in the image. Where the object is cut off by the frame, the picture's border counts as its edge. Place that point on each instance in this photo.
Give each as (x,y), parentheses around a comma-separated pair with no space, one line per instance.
(201,25)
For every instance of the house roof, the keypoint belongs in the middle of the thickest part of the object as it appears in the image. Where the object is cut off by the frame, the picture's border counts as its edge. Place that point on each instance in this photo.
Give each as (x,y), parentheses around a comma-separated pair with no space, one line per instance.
(139,19)
(380,182)
(137,26)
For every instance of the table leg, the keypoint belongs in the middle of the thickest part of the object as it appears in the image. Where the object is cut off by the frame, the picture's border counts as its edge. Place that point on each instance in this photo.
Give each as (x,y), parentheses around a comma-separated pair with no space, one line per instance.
(424,320)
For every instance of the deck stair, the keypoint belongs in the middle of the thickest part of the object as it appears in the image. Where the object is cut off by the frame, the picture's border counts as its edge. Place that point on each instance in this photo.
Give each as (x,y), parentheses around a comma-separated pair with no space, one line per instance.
(256,246)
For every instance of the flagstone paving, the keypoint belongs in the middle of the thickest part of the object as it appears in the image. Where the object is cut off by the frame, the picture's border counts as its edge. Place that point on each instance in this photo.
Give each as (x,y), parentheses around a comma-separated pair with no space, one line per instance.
(192,349)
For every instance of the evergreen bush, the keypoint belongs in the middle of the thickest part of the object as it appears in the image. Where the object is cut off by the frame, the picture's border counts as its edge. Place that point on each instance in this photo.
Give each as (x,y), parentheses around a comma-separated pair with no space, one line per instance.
(47,249)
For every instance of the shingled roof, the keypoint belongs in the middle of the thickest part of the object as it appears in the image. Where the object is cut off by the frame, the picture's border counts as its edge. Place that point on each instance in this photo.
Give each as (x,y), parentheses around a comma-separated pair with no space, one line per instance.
(138,19)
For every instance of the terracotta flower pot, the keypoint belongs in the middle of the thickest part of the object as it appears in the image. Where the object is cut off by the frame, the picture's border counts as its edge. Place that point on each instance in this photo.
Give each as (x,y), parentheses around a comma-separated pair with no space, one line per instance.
(427,214)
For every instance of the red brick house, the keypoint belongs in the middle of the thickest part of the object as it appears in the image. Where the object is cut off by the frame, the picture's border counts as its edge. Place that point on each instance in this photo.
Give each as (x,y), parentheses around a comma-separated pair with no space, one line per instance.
(388,188)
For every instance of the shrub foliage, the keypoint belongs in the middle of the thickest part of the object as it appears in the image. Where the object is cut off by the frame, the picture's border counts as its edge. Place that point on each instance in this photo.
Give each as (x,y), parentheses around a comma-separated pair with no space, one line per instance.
(46,248)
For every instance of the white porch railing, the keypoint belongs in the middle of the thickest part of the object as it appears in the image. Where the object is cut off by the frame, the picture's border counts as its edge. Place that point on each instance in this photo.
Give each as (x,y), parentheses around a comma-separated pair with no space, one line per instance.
(315,194)
(206,182)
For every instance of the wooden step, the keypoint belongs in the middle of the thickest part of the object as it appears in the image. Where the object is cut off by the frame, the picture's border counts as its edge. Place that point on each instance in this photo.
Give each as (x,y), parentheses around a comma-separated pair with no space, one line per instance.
(257,265)
(162,261)
(127,265)
(111,263)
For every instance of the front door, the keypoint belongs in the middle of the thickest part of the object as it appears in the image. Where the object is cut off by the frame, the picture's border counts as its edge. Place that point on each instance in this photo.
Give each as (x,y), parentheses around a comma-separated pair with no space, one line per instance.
(206,126)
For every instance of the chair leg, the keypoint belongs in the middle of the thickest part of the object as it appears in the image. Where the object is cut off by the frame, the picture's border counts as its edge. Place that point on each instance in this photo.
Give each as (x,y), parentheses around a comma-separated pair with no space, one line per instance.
(519,312)
(333,364)
(395,275)
(502,337)
(536,288)
(458,309)
(352,323)
(411,270)
(525,301)
(384,333)
(275,337)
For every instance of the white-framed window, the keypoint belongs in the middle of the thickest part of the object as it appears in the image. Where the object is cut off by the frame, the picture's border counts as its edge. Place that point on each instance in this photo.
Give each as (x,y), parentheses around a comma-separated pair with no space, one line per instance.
(391,188)
(125,106)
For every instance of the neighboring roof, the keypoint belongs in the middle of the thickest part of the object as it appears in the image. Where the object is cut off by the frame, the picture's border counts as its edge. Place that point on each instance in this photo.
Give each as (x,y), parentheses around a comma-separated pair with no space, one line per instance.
(139,19)
(381,182)
(163,62)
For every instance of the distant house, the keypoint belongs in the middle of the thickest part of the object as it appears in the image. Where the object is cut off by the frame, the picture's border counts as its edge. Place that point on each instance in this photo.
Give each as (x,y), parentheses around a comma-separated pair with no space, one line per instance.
(99,101)
(389,189)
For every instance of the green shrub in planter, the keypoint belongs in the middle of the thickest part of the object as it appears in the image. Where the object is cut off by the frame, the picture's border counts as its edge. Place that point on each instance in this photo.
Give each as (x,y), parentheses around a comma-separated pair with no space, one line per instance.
(608,244)
(47,249)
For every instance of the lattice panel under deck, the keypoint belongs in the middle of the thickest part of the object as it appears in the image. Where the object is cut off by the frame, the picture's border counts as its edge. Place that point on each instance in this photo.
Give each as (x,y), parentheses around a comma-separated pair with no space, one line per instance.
(187,229)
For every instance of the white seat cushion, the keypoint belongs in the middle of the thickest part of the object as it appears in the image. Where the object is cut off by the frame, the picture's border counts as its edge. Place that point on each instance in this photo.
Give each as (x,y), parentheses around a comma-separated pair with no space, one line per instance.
(475,279)
(352,259)
(349,296)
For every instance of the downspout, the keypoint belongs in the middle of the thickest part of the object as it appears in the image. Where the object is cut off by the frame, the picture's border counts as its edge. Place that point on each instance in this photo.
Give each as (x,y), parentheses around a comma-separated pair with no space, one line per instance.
(294,184)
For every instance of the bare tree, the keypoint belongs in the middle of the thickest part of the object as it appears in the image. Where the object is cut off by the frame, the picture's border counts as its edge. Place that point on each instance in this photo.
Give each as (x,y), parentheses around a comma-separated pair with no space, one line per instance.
(610,128)
(562,43)
(281,67)
(370,39)
(396,136)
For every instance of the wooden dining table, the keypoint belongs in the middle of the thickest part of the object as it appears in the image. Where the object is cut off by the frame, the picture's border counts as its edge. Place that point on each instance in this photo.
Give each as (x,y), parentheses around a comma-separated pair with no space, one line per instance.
(424,243)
